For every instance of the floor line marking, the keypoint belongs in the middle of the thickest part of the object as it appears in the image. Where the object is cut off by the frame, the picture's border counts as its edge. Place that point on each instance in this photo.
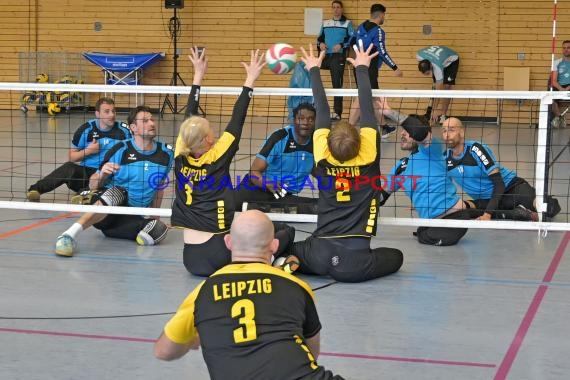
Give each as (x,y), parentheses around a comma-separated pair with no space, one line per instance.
(35,225)
(332,354)
(528,317)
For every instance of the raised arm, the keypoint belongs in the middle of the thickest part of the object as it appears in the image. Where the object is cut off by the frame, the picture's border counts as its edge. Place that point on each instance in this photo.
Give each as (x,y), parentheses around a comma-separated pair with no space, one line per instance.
(313,65)
(361,62)
(253,70)
(200,63)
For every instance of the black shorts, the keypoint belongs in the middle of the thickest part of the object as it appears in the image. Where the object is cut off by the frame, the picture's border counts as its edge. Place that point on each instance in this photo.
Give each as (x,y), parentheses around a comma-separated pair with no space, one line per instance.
(122,226)
(206,258)
(450,73)
(346,259)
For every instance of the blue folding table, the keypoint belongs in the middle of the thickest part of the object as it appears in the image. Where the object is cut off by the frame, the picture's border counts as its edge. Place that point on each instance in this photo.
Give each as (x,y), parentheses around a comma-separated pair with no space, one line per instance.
(123,69)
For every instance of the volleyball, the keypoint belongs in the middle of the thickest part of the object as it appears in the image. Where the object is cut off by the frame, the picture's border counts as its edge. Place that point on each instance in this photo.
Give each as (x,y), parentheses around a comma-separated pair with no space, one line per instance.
(53,109)
(281,58)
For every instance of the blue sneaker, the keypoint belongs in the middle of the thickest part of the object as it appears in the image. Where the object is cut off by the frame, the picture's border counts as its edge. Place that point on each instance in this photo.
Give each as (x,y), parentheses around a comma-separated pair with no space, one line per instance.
(65,246)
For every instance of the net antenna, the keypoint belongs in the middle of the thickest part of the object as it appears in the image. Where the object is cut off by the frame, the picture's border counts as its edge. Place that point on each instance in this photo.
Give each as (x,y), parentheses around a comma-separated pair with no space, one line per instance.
(174,29)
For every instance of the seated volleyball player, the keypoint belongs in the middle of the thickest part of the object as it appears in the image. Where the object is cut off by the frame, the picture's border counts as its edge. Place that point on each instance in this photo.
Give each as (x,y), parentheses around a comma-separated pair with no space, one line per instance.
(347,214)
(422,176)
(89,144)
(124,180)
(282,168)
(204,202)
(253,321)
(495,189)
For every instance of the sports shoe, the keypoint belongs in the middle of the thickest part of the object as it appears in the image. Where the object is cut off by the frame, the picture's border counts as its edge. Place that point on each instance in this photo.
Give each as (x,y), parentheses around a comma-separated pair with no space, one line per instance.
(289,263)
(387,131)
(65,246)
(23,108)
(523,213)
(335,116)
(83,198)
(33,196)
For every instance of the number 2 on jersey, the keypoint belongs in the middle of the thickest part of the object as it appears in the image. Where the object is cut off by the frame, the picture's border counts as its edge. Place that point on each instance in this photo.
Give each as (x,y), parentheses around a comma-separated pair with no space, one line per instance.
(343,187)
(244,310)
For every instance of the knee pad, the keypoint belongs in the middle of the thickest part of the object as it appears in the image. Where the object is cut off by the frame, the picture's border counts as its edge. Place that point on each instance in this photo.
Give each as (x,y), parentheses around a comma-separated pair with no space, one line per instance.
(152,233)
(114,196)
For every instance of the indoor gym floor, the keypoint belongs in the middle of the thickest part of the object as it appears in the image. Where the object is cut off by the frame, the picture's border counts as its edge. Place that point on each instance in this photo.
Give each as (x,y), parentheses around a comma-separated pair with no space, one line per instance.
(494,306)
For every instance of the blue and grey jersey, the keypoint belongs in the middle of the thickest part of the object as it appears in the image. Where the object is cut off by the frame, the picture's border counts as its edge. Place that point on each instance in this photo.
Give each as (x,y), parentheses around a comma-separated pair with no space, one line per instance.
(286,159)
(471,170)
(440,57)
(562,67)
(423,177)
(334,32)
(90,131)
(141,173)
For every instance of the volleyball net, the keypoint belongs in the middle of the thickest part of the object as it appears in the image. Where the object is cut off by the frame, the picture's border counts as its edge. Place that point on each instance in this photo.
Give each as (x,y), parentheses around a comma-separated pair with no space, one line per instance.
(515,125)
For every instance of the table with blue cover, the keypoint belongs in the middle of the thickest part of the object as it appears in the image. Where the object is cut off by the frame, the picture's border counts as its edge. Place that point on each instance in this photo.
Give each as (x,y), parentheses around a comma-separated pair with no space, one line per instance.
(123,69)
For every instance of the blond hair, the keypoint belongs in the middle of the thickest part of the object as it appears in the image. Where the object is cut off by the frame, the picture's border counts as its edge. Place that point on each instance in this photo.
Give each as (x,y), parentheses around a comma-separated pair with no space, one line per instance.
(344,141)
(193,131)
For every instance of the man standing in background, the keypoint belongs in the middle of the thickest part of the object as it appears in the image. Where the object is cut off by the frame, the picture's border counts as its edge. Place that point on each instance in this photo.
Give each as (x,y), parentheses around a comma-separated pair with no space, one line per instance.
(333,39)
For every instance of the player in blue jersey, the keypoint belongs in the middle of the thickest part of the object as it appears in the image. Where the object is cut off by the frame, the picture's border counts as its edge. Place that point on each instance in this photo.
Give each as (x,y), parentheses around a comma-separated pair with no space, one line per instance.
(347,212)
(442,64)
(423,177)
(282,168)
(370,32)
(204,203)
(560,81)
(89,145)
(134,173)
(495,189)
(333,39)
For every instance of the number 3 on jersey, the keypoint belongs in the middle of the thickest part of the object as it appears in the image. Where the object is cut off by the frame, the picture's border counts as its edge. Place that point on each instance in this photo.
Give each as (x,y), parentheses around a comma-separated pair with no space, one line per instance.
(343,187)
(244,310)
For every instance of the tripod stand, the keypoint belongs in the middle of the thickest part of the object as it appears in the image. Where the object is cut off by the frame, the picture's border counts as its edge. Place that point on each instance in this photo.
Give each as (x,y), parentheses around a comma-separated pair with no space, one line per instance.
(174,28)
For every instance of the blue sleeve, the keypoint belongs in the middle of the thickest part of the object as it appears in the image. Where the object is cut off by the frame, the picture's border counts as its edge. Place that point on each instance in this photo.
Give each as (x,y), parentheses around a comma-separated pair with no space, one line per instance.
(349,35)
(484,157)
(382,52)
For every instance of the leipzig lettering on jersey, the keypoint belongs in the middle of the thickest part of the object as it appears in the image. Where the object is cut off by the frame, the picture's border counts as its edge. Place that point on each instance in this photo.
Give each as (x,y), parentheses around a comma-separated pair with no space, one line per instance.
(235,289)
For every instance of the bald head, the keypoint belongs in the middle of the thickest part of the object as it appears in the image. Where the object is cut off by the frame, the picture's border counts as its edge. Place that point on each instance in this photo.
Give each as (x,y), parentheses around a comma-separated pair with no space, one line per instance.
(251,237)
(452,122)
(453,133)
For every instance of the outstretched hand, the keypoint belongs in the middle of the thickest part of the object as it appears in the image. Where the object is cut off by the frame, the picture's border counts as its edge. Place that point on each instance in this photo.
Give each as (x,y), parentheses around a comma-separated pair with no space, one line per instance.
(310,60)
(253,69)
(363,57)
(200,63)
